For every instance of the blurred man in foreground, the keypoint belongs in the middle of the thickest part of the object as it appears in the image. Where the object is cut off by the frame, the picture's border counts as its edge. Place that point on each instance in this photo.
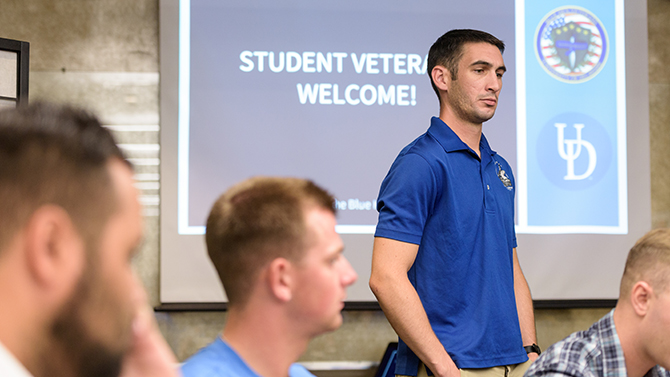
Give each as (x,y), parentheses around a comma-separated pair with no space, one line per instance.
(274,245)
(70,223)
(634,338)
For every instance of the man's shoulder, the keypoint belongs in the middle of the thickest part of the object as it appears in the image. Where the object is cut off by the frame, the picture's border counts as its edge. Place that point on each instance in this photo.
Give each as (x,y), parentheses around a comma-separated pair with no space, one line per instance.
(658,371)
(577,355)
(216,359)
(415,162)
(424,145)
(501,160)
(219,360)
(424,155)
(297,370)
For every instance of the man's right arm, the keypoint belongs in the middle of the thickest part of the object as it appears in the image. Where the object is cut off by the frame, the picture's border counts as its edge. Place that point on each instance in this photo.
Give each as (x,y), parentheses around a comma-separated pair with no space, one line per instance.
(400,302)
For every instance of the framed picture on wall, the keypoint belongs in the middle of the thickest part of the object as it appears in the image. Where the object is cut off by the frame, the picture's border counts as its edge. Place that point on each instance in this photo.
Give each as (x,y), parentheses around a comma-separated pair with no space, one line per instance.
(14,68)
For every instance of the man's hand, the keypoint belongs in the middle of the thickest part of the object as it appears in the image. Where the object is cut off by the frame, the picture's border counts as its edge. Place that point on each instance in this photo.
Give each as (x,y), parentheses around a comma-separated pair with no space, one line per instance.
(149,354)
(402,306)
(449,370)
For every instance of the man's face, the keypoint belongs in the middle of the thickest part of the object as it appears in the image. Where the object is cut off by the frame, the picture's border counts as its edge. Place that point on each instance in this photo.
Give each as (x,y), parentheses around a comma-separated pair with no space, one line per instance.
(322,275)
(94,327)
(473,95)
(657,334)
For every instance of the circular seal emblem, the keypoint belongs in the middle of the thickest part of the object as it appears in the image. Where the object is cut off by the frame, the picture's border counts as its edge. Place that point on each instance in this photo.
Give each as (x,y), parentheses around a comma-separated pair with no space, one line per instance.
(571,44)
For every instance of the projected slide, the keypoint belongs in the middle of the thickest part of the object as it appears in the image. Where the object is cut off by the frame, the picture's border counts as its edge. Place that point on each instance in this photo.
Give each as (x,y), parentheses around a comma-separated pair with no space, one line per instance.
(330,93)
(309,93)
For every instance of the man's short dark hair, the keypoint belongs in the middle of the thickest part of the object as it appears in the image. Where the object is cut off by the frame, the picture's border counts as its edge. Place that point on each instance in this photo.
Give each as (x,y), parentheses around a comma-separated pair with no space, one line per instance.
(58,155)
(257,221)
(448,50)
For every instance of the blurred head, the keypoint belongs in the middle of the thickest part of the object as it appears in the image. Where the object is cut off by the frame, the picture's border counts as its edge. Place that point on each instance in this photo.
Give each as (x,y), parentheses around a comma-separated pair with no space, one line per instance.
(264,218)
(59,157)
(448,50)
(54,155)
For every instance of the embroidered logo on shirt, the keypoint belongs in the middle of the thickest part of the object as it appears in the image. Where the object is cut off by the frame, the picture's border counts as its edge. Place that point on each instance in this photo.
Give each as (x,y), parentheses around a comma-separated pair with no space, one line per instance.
(503,177)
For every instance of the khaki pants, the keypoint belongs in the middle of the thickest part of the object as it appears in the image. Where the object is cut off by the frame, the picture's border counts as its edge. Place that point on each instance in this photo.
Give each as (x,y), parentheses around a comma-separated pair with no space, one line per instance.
(515,370)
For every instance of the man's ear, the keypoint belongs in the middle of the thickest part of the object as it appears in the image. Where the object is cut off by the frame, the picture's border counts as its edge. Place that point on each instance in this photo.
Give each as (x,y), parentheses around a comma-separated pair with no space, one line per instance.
(441,77)
(55,253)
(280,279)
(640,296)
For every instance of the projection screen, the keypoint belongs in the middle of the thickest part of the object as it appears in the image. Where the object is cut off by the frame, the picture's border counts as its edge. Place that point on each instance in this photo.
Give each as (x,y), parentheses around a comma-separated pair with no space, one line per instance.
(332,91)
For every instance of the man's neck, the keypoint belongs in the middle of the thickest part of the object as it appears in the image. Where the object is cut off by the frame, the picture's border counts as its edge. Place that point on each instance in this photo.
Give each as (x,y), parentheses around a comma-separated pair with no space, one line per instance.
(469,133)
(637,363)
(23,316)
(264,341)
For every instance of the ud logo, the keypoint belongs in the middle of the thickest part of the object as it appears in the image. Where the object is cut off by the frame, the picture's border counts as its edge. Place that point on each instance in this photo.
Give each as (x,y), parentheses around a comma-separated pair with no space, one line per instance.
(571,149)
(574,151)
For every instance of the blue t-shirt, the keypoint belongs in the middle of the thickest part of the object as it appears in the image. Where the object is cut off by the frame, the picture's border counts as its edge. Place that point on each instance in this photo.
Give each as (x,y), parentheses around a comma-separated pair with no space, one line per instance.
(459,209)
(218,359)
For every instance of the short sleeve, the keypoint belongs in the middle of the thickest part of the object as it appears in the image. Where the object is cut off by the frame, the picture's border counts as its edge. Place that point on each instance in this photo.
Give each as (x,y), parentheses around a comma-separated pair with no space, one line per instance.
(406,198)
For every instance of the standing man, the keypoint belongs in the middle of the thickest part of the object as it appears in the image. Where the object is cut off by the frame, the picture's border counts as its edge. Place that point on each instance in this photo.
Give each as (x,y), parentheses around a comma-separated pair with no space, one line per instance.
(274,245)
(70,223)
(444,265)
(633,340)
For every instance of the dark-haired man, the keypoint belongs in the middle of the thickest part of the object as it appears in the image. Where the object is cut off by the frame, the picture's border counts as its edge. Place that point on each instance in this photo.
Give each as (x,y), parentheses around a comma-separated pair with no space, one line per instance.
(274,245)
(633,340)
(444,266)
(70,222)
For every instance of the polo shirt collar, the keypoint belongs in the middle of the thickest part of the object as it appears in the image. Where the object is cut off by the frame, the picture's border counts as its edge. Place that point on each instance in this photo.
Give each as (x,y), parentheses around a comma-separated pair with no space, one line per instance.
(448,139)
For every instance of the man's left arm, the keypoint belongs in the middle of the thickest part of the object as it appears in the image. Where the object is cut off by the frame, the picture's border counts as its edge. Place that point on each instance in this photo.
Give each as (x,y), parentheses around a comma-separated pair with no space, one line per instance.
(524,307)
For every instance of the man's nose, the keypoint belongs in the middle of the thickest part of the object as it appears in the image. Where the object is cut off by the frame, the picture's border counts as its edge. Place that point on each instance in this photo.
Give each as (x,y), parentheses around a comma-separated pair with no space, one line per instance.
(494,82)
(349,275)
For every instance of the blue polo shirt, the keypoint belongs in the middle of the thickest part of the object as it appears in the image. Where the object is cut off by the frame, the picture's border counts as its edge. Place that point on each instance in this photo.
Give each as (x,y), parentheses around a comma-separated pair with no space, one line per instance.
(459,209)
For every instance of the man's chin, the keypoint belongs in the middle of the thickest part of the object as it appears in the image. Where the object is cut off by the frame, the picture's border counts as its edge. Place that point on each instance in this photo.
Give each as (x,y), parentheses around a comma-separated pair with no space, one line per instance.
(87,355)
(486,117)
(337,322)
(330,326)
(85,358)
(101,362)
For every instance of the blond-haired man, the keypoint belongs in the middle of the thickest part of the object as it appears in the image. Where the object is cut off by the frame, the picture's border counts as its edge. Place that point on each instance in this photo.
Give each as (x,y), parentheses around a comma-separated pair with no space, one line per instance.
(634,338)
(274,245)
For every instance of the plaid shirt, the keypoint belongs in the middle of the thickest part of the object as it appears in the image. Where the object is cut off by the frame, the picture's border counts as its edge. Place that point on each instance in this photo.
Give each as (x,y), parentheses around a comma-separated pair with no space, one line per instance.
(595,352)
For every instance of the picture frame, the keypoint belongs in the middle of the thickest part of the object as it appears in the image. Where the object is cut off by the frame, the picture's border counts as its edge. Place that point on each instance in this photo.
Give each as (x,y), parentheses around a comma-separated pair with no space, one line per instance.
(14,71)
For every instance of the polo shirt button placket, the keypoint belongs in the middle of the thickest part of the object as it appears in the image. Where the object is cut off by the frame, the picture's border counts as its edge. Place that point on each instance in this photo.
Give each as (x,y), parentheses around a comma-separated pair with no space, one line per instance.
(489,200)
